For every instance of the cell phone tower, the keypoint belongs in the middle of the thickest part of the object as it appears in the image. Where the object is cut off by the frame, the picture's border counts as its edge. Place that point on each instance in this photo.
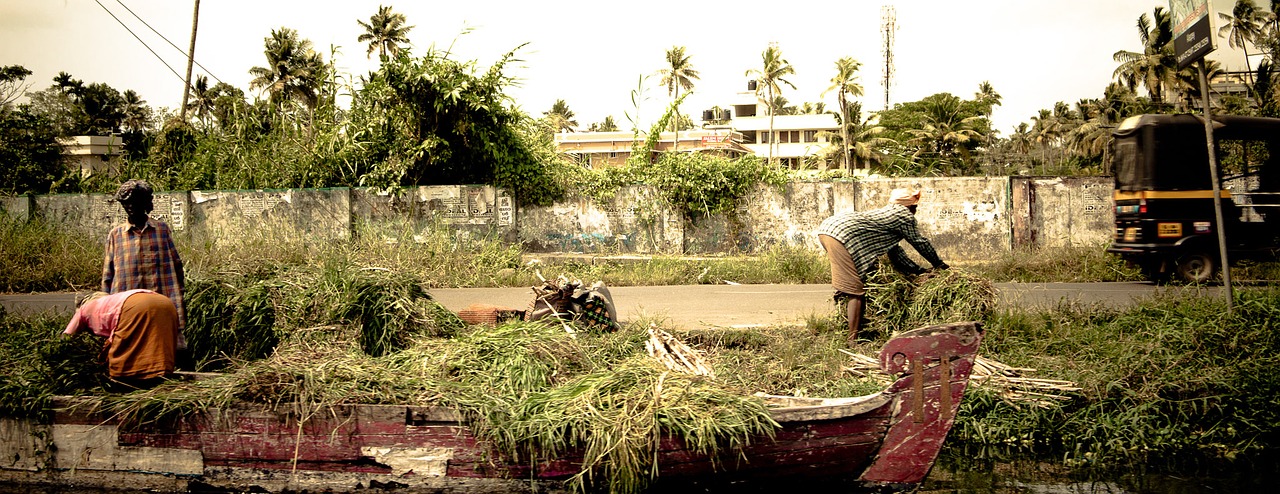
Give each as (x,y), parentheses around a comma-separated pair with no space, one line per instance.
(888,26)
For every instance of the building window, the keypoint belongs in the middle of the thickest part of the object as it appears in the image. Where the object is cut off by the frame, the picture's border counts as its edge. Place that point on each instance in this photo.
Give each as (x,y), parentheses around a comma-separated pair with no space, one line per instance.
(764,137)
(810,136)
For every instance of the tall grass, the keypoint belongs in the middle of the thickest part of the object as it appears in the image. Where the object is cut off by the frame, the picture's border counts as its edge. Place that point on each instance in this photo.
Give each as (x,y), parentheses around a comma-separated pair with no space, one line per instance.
(1173,379)
(1064,264)
(38,257)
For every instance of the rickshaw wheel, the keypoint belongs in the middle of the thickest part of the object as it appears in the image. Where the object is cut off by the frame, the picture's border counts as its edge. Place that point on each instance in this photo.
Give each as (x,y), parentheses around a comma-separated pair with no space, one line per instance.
(1197,267)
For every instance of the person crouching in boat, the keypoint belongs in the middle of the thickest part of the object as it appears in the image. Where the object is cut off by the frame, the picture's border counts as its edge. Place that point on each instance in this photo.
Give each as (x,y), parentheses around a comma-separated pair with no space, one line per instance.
(855,240)
(141,331)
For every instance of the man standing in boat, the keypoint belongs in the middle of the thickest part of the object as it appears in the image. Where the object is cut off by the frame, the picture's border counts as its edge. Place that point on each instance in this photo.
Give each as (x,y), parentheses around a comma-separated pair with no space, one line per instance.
(855,240)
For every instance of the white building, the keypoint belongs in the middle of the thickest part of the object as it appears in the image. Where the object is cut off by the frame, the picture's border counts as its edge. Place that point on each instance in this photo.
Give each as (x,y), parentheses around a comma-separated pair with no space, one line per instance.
(797,135)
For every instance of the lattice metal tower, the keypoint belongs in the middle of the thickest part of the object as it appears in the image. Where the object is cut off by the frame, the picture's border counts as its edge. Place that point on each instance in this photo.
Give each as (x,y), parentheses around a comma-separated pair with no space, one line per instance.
(888,26)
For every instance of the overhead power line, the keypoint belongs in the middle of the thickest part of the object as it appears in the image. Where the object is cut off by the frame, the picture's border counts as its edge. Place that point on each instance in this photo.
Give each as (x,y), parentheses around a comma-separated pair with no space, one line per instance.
(144,43)
(166,40)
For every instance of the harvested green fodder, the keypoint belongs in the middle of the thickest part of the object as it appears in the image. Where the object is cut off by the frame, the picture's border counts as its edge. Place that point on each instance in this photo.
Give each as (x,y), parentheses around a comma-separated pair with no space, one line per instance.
(897,303)
(38,363)
(234,318)
(617,418)
(533,390)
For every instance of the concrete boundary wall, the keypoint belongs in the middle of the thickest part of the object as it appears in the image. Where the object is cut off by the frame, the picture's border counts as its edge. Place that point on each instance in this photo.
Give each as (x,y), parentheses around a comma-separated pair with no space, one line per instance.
(966,218)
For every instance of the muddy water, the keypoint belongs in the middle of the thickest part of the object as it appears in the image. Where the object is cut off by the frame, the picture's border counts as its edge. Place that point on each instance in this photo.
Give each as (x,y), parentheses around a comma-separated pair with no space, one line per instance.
(952,474)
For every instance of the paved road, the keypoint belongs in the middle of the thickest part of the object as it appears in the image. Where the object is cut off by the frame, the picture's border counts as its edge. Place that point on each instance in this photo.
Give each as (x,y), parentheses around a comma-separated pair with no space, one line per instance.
(694,306)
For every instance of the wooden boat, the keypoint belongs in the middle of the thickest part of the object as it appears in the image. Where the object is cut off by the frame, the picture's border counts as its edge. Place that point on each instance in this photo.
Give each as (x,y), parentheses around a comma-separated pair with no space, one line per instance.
(886,441)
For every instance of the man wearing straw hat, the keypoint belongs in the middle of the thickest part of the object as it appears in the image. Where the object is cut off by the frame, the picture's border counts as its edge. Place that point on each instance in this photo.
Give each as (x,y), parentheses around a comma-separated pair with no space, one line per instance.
(855,240)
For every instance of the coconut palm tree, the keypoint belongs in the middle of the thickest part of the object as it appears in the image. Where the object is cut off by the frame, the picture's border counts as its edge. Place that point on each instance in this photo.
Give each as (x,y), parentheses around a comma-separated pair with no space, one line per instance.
(137,115)
(845,83)
(679,73)
(560,117)
(202,99)
(770,76)
(1156,66)
(863,139)
(1241,27)
(294,70)
(384,32)
(988,97)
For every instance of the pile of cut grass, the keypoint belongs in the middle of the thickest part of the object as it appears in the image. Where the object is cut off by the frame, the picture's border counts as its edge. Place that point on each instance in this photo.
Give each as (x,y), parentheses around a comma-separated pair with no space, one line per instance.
(233,318)
(896,303)
(534,391)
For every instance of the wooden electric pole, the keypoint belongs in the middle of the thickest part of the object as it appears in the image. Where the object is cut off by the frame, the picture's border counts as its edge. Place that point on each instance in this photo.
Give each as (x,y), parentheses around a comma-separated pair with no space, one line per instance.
(191,57)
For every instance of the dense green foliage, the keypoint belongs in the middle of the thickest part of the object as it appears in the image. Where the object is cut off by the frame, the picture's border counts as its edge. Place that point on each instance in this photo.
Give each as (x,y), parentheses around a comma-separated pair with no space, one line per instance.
(30,157)
(40,258)
(1172,380)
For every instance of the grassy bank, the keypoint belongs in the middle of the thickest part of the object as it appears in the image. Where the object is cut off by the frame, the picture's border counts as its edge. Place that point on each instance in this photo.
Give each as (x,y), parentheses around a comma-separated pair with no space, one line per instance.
(40,258)
(1171,380)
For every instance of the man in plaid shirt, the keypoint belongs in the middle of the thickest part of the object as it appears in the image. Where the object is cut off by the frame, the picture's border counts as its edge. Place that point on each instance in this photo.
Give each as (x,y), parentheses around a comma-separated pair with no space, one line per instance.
(140,254)
(855,240)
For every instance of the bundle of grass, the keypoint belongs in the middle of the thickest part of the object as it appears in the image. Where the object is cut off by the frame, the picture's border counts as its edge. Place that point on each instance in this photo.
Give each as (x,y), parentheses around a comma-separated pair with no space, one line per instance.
(897,303)
(617,418)
(38,363)
(234,318)
(230,318)
(532,390)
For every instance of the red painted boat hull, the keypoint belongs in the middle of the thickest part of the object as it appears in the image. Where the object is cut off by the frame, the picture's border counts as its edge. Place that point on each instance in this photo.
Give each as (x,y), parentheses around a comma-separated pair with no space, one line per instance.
(889,439)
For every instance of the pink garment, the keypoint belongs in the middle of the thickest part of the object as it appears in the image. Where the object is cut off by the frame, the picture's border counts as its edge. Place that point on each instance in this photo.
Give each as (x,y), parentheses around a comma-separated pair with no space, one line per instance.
(100,315)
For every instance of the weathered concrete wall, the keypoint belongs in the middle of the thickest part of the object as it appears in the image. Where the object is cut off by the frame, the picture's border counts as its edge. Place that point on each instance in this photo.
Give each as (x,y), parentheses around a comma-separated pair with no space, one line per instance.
(633,222)
(968,218)
(95,214)
(474,209)
(283,214)
(1062,211)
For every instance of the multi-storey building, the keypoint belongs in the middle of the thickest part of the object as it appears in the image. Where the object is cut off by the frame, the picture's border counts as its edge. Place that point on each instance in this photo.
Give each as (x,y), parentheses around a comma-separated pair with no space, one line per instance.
(797,136)
(742,130)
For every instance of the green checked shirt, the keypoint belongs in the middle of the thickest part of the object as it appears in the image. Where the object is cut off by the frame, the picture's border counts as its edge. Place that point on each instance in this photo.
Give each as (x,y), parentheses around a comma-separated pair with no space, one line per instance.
(870,234)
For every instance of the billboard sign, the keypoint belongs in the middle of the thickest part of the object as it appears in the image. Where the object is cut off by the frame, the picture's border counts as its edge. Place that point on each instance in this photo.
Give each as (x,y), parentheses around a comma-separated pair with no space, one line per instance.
(1192,35)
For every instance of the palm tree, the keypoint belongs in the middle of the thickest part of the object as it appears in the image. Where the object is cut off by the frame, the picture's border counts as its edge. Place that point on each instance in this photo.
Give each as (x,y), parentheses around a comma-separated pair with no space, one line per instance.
(137,115)
(845,82)
(1241,27)
(1156,66)
(608,125)
(772,72)
(560,117)
(679,73)
(858,139)
(294,70)
(988,96)
(202,101)
(384,32)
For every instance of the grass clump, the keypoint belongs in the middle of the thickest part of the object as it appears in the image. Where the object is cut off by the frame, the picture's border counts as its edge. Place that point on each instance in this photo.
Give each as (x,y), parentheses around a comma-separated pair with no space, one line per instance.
(1174,379)
(895,302)
(1064,264)
(37,364)
(39,257)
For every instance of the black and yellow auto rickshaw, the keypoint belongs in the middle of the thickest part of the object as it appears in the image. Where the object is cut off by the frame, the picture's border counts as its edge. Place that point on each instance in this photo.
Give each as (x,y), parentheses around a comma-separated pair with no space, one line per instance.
(1165,221)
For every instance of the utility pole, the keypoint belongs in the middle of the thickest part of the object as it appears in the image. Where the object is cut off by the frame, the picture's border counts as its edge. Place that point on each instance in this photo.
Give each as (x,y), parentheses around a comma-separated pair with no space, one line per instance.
(888,26)
(191,57)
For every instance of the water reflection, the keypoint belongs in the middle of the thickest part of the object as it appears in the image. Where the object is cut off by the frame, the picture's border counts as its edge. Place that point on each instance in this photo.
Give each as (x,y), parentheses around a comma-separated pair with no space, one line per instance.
(954,473)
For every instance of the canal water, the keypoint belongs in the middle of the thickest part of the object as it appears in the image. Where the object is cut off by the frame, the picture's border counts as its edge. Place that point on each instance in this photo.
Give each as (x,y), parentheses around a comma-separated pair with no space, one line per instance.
(955,474)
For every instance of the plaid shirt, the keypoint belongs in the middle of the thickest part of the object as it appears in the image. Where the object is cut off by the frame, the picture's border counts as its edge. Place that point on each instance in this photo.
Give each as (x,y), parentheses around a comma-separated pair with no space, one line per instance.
(870,234)
(145,259)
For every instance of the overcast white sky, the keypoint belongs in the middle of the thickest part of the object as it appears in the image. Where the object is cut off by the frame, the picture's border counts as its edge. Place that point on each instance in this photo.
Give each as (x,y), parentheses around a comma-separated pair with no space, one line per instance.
(591,53)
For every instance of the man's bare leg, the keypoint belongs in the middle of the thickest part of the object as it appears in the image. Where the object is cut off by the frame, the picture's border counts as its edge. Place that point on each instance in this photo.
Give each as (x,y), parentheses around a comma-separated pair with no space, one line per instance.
(854,312)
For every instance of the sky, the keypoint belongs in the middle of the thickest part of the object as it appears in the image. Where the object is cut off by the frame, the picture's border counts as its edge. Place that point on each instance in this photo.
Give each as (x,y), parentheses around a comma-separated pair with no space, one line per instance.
(595,54)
